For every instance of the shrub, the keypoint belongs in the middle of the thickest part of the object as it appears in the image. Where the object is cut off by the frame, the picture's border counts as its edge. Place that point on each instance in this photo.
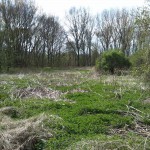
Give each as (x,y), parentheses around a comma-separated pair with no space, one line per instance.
(137,59)
(141,64)
(111,60)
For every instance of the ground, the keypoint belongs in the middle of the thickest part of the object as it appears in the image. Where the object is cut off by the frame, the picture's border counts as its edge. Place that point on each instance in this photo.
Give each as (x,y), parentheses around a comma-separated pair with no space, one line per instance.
(73,109)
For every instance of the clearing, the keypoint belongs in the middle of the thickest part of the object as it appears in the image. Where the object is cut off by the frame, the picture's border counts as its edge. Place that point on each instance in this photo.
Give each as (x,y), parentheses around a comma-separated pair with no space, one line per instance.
(73,109)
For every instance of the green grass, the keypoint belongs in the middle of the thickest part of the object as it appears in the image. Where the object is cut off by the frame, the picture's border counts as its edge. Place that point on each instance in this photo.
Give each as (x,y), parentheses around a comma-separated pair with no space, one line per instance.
(89,114)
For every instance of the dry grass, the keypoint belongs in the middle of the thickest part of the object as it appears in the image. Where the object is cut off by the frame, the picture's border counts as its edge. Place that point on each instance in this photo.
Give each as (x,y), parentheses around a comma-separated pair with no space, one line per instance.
(37,92)
(24,134)
(126,81)
(100,145)
(128,142)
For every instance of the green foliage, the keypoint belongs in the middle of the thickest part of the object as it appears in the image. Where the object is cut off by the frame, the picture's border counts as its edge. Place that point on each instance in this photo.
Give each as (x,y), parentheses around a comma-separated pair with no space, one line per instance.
(141,64)
(89,107)
(141,59)
(111,60)
(137,59)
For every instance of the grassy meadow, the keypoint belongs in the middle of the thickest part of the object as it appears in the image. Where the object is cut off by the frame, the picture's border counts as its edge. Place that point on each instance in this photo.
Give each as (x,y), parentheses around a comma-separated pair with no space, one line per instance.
(73,109)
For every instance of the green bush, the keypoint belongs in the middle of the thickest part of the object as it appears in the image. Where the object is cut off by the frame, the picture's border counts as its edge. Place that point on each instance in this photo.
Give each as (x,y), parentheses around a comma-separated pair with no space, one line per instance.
(137,59)
(141,64)
(112,60)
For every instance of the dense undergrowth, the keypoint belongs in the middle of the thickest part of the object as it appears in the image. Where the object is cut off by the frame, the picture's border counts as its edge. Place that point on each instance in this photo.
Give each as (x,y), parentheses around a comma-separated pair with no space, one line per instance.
(94,111)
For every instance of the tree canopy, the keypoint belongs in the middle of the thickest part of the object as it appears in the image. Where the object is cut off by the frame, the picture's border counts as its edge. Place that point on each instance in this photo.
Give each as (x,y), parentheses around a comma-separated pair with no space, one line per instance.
(32,39)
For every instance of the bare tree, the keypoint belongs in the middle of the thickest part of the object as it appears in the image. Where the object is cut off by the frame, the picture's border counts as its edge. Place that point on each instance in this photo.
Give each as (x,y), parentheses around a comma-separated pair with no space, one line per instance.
(52,37)
(18,18)
(78,27)
(104,29)
(115,29)
(125,27)
(89,39)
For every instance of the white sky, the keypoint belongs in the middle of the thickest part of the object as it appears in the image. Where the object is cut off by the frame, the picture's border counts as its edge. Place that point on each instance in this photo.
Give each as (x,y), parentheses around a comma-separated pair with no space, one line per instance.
(59,7)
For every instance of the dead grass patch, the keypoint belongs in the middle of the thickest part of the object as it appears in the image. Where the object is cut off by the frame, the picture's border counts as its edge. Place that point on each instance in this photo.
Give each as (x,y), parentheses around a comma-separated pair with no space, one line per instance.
(37,92)
(24,134)
(78,90)
(9,111)
(146,101)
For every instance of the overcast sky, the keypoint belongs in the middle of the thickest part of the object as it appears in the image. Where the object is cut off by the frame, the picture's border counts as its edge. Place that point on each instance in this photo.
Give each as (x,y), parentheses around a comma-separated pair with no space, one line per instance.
(59,7)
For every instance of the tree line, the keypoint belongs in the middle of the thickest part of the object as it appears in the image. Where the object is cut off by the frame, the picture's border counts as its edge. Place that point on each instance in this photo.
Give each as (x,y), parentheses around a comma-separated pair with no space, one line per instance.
(32,39)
